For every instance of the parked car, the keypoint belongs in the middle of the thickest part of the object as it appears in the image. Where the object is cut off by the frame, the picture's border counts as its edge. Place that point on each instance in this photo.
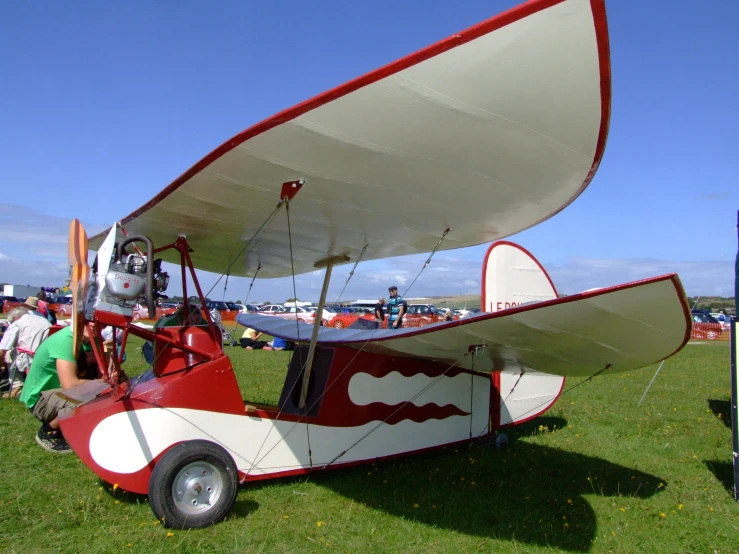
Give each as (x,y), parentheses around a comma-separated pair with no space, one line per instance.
(62,305)
(705,326)
(140,311)
(218,305)
(723,319)
(297,312)
(420,315)
(7,303)
(167,308)
(243,308)
(327,315)
(272,308)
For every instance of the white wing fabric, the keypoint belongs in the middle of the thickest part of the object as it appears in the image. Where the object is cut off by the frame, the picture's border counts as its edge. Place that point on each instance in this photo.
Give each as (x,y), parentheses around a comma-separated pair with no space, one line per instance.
(487,133)
(613,329)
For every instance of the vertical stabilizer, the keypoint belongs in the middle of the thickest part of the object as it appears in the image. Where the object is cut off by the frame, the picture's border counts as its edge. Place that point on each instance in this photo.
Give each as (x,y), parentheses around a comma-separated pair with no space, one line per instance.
(511,276)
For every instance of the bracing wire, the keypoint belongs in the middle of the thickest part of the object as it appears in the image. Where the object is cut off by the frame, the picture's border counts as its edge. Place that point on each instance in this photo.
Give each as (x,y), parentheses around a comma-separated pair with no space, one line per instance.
(485,430)
(297,323)
(257,459)
(472,387)
(302,369)
(428,261)
(292,265)
(248,243)
(403,405)
(225,286)
(510,392)
(246,301)
(351,273)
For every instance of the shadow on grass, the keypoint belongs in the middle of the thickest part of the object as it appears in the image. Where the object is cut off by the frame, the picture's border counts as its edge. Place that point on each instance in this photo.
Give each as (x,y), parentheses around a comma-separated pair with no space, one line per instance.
(536,426)
(724,472)
(721,408)
(121,495)
(243,507)
(527,493)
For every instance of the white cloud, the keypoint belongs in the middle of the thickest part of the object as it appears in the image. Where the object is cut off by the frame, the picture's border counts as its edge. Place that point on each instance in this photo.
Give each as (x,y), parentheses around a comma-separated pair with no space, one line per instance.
(36,273)
(705,278)
(714,196)
(34,252)
(33,232)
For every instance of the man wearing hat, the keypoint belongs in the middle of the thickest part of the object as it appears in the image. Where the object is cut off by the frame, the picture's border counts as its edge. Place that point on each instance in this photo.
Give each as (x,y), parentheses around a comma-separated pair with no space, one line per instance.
(23,336)
(396,308)
(34,306)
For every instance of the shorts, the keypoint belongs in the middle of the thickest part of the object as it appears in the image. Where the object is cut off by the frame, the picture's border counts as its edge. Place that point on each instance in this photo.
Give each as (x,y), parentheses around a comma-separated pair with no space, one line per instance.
(50,405)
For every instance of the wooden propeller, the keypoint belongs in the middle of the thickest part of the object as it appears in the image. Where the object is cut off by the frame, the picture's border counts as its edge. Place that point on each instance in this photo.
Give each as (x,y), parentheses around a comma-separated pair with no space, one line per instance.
(79,279)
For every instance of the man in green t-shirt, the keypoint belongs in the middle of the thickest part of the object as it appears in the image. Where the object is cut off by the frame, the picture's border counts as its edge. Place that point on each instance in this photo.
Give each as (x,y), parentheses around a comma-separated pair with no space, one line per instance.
(53,369)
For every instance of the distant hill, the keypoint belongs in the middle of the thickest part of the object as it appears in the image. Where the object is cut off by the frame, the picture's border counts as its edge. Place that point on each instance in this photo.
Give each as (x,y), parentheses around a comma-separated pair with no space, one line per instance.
(467,301)
(713,304)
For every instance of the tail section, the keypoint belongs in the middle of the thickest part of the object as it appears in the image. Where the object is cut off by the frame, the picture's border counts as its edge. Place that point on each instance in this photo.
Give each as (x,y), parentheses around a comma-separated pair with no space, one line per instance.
(511,276)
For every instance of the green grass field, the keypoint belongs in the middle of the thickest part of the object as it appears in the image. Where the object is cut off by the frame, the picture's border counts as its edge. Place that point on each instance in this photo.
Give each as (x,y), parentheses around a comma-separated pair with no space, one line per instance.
(595,474)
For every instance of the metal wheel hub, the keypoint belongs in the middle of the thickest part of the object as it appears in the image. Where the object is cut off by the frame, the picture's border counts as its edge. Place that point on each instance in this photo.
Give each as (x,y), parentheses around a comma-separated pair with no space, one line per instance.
(197,487)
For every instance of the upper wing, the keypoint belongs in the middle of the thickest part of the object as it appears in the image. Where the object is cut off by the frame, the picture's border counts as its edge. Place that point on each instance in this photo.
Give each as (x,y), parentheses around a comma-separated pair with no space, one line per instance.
(619,328)
(487,133)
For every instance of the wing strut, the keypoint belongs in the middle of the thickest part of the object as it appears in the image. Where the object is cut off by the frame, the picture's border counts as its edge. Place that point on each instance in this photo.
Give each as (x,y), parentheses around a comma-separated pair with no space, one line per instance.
(329,263)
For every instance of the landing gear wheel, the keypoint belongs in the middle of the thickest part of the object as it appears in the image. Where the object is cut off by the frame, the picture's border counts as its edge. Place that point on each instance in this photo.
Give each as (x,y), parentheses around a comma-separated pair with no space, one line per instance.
(194,485)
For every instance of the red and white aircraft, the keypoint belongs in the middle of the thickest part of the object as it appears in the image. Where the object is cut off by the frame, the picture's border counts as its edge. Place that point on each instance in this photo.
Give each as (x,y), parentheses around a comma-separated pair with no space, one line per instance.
(486,133)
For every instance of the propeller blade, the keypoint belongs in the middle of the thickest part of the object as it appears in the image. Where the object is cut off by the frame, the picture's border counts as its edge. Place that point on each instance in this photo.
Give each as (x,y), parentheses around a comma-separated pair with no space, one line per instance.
(80,279)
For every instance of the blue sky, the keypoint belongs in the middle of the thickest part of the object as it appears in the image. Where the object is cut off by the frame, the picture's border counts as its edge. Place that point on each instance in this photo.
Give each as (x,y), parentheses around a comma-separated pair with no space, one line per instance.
(103,104)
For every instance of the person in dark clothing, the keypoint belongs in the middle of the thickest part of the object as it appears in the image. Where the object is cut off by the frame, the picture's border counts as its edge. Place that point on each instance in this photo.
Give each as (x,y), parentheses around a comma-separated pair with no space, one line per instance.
(380,310)
(250,340)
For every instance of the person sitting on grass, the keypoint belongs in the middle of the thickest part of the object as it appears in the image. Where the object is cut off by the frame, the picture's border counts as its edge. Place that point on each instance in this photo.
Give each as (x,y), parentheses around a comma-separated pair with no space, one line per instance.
(278,344)
(250,340)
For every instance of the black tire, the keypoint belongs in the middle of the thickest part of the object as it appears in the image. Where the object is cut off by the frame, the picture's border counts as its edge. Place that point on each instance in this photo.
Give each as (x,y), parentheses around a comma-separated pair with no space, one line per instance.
(182,500)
